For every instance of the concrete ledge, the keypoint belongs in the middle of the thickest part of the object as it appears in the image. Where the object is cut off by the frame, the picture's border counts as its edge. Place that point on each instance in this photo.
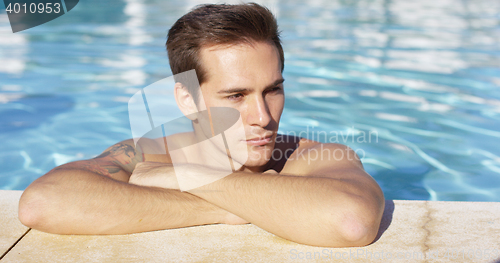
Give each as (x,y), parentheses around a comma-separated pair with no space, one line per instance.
(411,231)
(11,229)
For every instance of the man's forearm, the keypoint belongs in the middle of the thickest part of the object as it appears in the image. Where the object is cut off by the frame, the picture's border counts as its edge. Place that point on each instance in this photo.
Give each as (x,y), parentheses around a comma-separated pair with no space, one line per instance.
(82,202)
(309,210)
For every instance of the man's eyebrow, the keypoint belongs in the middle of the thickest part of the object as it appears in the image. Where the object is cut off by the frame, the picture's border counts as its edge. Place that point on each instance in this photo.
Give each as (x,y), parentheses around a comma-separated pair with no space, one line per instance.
(238,90)
(234,90)
(276,83)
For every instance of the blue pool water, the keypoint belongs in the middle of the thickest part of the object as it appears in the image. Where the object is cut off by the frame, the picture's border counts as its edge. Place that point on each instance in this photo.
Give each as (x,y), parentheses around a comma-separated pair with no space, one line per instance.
(414,87)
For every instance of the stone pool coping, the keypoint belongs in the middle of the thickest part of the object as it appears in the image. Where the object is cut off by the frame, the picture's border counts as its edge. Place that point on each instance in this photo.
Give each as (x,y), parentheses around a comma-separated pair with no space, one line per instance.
(411,231)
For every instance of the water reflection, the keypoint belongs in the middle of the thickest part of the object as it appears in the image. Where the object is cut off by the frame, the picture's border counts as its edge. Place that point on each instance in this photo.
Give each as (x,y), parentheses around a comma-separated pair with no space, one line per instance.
(423,74)
(13,49)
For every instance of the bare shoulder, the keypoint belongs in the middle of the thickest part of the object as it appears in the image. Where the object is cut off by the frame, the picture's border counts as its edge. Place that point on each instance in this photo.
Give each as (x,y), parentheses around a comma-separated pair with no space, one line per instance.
(312,157)
(119,160)
(116,162)
(179,140)
(129,152)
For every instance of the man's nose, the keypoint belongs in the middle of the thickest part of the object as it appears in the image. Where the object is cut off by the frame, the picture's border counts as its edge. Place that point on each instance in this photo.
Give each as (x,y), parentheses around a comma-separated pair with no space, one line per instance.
(258,112)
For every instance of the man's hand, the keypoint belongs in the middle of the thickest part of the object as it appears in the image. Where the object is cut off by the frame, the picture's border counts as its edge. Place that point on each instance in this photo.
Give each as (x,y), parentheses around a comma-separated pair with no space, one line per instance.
(154,174)
(162,175)
(232,219)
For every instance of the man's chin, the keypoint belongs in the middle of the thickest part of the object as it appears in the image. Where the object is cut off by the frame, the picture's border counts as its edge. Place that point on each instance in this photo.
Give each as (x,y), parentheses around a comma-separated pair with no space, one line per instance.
(257,159)
(256,163)
(253,157)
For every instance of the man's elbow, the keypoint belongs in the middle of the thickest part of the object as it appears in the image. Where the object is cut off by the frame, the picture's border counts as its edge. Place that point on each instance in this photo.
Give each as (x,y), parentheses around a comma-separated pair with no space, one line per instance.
(32,209)
(353,225)
(357,232)
(359,224)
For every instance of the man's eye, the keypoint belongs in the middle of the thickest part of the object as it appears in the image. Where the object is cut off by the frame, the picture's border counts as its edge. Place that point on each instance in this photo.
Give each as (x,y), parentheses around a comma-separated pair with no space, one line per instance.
(235,96)
(275,89)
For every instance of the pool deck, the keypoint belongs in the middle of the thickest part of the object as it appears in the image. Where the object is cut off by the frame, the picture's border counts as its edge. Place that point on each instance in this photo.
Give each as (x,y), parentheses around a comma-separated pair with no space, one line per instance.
(411,231)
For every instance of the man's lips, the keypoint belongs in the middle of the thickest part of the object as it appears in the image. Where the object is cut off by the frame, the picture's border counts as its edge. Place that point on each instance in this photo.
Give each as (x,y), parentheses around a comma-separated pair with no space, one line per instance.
(259,141)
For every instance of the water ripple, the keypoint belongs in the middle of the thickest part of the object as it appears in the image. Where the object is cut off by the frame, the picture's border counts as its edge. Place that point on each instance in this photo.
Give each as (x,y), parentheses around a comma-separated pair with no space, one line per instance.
(421,77)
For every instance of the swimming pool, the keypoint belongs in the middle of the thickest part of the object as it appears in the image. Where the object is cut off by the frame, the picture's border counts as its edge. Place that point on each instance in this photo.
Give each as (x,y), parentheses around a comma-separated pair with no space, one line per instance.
(413,87)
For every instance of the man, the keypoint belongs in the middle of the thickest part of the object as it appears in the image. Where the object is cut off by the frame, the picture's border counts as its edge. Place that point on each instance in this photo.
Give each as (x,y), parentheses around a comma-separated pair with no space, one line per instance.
(237,55)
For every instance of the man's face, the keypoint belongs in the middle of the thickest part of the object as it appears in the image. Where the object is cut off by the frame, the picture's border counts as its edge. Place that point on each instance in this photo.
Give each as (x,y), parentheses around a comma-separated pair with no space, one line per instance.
(247,78)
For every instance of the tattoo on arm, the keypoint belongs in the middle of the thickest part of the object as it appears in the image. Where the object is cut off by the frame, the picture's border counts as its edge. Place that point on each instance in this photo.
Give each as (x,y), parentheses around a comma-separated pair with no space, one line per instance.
(122,155)
(118,157)
(89,165)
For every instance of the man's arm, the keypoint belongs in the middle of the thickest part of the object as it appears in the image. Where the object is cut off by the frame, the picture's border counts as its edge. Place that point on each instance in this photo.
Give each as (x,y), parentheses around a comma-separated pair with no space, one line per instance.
(314,201)
(93,197)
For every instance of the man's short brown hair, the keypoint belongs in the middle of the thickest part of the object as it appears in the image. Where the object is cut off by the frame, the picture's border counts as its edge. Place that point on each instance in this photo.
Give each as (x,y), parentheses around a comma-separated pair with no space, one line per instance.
(209,25)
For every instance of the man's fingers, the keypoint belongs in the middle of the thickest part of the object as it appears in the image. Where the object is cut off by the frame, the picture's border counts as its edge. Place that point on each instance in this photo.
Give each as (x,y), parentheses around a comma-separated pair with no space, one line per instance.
(154,174)
(232,219)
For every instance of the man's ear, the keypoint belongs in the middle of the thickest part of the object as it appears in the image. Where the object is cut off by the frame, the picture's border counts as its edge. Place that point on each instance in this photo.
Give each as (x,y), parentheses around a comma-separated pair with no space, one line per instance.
(185,101)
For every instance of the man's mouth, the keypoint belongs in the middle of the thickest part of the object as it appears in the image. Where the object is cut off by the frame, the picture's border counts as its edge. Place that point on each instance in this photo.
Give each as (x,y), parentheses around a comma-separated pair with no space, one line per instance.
(259,141)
